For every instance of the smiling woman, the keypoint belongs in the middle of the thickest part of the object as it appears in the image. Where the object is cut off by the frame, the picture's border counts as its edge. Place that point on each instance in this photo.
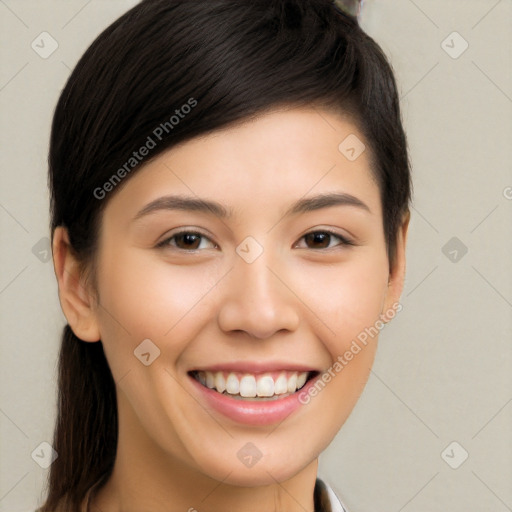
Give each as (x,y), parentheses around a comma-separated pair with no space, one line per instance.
(218,294)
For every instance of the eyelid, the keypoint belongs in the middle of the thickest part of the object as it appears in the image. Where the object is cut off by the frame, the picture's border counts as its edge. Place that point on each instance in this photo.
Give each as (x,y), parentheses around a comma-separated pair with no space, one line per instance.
(345,241)
(180,231)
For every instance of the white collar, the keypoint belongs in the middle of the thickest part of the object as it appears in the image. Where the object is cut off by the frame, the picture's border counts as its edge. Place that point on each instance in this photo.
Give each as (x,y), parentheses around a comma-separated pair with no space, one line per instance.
(336,504)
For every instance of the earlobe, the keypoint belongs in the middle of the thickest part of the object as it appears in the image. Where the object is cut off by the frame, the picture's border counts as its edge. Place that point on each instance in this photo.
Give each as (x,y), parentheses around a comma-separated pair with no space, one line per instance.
(397,275)
(76,302)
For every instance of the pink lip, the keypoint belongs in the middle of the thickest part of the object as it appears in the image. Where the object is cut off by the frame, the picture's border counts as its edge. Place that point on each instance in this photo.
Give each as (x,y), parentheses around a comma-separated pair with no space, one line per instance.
(248,412)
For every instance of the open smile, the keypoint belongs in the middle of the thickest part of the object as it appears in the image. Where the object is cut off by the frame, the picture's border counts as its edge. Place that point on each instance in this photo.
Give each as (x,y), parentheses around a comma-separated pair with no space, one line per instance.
(260,386)
(252,398)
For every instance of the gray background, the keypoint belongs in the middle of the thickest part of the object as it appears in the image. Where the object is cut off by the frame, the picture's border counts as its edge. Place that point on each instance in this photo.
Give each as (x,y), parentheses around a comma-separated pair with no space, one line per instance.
(444,367)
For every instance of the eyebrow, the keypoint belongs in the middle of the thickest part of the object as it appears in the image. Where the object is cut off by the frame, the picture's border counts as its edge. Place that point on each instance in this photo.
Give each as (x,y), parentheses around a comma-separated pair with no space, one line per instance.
(325,201)
(304,205)
(186,204)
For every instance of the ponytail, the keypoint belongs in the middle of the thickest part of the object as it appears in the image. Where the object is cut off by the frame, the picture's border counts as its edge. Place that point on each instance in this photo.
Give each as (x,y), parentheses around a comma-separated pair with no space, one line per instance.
(85,437)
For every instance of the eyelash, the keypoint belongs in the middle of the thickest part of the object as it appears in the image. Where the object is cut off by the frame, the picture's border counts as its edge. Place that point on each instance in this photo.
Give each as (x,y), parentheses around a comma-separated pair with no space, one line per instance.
(343,240)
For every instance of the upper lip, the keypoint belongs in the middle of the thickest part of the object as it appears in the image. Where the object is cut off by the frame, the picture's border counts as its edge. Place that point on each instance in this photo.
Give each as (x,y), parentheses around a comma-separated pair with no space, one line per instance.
(255,367)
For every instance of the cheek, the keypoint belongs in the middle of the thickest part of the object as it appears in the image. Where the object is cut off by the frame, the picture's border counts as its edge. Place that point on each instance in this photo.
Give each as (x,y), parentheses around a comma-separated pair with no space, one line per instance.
(347,301)
(346,297)
(143,297)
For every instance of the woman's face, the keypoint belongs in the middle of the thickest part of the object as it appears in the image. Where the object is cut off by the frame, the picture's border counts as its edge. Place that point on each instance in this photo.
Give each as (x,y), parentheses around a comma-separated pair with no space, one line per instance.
(248,292)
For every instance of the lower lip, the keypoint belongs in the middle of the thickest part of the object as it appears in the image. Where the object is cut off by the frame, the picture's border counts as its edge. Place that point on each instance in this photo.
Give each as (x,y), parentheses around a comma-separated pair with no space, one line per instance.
(251,412)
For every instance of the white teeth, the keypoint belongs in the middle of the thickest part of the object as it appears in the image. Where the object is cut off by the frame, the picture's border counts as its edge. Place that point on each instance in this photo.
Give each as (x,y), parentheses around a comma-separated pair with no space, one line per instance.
(266,386)
(220,382)
(301,380)
(281,384)
(232,384)
(210,380)
(253,386)
(248,386)
(292,383)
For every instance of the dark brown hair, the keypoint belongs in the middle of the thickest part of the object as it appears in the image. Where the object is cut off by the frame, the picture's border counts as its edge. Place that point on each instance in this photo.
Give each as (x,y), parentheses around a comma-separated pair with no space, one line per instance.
(235,60)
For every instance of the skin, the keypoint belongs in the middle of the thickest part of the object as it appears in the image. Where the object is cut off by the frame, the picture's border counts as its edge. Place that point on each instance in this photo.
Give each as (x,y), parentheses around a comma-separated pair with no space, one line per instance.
(302,302)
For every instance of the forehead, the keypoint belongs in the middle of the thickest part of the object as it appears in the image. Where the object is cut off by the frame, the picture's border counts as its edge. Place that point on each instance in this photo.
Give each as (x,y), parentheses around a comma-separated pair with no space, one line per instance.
(264,163)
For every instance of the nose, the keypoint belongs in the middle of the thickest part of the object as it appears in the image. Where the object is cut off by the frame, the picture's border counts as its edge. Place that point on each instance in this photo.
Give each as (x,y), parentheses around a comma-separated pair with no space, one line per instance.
(258,300)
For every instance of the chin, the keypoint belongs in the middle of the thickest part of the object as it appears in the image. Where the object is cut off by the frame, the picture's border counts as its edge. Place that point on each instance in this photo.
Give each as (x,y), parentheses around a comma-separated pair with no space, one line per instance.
(260,470)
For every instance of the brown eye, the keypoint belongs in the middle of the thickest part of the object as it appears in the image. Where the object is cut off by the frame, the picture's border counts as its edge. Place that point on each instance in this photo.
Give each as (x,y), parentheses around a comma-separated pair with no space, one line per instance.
(187,241)
(324,239)
(318,240)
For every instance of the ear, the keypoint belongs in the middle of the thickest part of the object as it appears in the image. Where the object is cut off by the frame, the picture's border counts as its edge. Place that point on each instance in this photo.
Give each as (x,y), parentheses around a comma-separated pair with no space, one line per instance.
(76,302)
(397,272)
